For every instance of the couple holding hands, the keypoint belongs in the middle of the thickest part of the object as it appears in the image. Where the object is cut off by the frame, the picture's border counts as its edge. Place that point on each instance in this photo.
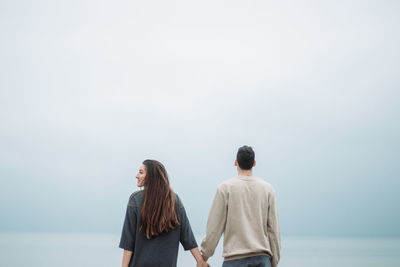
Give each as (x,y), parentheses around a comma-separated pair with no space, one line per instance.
(244,210)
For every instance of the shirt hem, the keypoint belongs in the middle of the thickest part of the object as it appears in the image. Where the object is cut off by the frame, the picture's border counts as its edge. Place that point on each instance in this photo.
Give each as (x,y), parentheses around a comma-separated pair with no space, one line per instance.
(189,247)
(126,247)
(247,255)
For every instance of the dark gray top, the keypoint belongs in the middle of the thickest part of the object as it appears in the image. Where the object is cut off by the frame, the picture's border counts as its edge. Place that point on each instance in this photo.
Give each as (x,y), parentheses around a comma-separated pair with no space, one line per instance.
(158,251)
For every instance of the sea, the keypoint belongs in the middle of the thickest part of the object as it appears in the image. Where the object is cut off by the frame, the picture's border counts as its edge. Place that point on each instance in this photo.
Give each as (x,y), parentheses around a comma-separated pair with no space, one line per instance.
(101,250)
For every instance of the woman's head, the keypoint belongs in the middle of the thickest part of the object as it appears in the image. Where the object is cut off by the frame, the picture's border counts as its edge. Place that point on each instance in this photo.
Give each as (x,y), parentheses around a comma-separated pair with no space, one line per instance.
(141,175)
(158,208)
(152,173)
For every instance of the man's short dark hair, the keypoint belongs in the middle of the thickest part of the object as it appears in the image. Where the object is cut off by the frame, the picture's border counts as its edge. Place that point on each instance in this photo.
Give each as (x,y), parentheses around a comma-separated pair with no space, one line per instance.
(245,157)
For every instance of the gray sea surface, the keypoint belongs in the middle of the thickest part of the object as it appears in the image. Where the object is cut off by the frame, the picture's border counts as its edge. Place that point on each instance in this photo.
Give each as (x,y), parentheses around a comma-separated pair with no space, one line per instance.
(101,250)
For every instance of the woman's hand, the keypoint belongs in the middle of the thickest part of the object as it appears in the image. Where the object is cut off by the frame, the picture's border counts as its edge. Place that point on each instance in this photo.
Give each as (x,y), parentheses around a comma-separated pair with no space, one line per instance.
(199,259)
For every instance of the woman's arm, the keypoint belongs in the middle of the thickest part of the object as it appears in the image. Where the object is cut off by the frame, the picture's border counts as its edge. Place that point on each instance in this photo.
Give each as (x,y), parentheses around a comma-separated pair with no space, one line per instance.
(199,259)
(126,258)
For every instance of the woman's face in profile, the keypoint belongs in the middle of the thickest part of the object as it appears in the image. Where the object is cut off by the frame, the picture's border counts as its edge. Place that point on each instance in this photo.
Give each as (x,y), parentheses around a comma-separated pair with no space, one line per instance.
(141,176)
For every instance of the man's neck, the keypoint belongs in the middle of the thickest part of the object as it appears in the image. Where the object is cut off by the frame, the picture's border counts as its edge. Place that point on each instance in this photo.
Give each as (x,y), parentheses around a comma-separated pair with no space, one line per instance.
(245,172)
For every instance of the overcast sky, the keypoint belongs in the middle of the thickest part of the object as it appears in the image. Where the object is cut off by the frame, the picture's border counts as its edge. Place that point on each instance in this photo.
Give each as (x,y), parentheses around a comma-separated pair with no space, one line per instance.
(89,89)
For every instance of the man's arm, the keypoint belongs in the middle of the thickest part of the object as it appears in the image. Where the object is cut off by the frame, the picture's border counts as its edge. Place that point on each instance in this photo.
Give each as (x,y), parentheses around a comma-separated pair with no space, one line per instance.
(273,230)
(215,225)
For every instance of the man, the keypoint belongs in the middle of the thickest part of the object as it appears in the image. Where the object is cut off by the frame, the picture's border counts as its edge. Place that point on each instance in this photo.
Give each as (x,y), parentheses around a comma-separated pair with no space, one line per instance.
(244,209)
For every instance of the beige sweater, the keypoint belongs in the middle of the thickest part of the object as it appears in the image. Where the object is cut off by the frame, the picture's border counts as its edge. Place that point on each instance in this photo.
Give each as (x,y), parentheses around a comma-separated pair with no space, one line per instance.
(244,209)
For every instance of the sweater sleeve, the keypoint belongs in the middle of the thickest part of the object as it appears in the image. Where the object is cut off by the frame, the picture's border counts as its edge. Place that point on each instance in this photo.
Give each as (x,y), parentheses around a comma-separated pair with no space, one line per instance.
(273,230)
(215,225)
(128,230)
(187,238)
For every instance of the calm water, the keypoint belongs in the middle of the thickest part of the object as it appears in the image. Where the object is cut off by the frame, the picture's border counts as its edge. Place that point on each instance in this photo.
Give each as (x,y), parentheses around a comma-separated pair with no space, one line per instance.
(62,250)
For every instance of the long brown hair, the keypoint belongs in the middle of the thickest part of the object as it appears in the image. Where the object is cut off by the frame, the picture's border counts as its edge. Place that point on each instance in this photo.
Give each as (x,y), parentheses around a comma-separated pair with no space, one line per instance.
(158,209)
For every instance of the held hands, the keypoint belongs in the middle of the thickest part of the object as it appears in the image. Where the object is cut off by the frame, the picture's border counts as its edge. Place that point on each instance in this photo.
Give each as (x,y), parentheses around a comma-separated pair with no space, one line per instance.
(199,258)
(202,264)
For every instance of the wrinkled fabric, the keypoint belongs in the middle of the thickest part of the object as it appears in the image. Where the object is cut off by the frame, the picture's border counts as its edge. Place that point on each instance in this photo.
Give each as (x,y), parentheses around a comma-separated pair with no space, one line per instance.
(161,250)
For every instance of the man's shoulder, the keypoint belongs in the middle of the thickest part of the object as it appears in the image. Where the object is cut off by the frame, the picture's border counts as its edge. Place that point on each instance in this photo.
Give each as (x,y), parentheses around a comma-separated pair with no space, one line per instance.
(236,179)
(227,183)
(263,182)
(266,187)
(236,182)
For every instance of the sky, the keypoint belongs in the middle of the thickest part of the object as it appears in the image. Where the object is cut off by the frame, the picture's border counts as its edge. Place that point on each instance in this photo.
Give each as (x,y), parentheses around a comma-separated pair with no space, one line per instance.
(90,89)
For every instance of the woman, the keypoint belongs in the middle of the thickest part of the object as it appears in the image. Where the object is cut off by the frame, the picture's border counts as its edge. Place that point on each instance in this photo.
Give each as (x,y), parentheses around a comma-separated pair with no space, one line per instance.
(155,222)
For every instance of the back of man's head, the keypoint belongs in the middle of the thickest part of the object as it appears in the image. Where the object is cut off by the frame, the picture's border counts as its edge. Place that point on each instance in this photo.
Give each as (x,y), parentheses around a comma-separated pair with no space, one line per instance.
(245,157)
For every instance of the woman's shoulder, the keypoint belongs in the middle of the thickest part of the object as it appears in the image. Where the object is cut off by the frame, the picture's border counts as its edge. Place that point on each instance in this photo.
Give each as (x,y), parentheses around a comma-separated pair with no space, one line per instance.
(178,200)
(135,198)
